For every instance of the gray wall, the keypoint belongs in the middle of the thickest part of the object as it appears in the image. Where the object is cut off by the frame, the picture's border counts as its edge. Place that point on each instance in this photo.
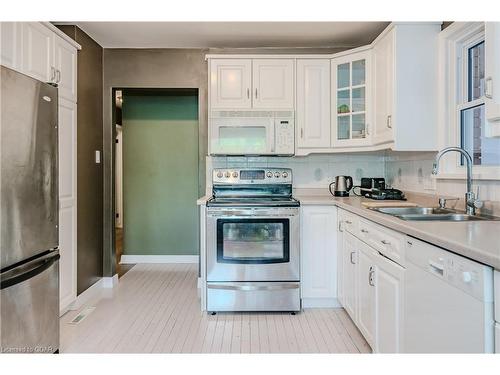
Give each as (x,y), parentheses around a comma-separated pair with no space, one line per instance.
(89,174)
(147,68)
(160,68)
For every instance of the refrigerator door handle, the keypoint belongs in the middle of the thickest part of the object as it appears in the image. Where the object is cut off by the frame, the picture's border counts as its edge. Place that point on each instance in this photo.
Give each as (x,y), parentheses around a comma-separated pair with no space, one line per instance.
(27,271)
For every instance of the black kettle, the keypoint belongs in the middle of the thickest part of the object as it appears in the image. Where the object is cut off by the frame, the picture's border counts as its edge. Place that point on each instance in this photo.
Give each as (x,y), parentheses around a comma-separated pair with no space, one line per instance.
(341,186)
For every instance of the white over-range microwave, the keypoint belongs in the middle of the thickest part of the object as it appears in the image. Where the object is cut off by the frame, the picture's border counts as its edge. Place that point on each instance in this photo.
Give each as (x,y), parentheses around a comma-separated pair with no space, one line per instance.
(252,133)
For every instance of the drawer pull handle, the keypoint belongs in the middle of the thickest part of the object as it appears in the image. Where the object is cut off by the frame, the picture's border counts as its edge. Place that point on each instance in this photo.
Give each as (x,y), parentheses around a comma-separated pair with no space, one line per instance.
(364,231)
(352,258)
(385,242)
(348,222)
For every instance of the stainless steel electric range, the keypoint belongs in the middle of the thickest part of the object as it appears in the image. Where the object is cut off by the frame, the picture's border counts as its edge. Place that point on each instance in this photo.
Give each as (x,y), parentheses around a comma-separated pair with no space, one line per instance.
(253,241)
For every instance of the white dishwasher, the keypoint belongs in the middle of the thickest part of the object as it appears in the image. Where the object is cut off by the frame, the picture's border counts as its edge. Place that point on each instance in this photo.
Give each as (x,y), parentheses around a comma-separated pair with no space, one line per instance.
(448,302)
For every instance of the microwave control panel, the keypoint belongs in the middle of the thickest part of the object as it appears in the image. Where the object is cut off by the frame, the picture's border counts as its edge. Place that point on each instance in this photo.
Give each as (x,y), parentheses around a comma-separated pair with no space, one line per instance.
(285,136)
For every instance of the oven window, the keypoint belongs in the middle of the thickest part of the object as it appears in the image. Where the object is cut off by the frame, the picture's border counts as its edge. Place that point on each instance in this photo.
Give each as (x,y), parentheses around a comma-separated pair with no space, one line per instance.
(253,241)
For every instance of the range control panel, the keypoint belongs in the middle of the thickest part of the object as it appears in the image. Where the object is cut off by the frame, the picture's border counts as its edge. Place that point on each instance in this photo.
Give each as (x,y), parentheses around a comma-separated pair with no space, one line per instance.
(252,176)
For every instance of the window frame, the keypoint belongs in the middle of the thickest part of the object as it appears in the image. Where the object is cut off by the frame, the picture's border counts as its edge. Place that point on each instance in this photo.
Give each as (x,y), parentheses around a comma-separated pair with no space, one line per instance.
(454,44)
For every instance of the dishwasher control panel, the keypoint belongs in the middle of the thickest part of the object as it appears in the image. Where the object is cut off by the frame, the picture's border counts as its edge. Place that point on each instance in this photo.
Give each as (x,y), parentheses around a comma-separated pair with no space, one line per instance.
(463,273)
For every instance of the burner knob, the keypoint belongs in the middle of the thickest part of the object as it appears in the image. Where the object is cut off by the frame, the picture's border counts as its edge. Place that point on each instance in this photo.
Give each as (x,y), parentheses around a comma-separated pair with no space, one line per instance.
(269,174)
(277,174)
(235,174)
(219,174)
(228,174)
(285,174)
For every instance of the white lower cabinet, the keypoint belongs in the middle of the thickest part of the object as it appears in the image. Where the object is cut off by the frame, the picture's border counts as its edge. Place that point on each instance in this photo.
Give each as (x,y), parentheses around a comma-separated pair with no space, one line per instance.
(319,256)
(370,288)
(389,281)
(349,252)
(366,292)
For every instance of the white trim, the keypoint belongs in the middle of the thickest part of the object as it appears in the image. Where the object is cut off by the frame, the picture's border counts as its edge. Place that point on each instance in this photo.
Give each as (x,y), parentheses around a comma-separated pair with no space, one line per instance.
(110,282)
(451,92)
(310,303)
(134,259)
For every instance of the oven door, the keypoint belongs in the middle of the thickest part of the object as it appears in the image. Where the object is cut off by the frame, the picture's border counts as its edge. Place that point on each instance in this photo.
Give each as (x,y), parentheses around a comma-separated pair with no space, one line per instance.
(253,244)
(242,136)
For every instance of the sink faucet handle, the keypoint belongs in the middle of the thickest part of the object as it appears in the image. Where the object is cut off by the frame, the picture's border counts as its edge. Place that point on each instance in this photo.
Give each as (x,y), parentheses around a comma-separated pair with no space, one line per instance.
(442,201)
(478,203)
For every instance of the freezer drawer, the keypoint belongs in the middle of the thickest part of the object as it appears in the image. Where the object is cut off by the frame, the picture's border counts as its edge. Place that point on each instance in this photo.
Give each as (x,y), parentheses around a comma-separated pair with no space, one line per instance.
(255,296)
(30,306)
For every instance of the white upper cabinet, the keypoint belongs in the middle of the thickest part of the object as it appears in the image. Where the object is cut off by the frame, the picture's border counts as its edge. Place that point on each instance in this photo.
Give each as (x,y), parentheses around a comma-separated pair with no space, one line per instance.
(406,82)
(383,67)
(65,68)
(231,83)
(313,103)
(252,83)
(38,51)
(11,42)
(351,106)
(273,86)
(492,80)
(319,256)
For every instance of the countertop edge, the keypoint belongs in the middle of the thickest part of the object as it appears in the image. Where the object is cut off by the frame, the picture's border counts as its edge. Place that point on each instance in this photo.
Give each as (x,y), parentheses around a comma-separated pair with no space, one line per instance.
(475,253)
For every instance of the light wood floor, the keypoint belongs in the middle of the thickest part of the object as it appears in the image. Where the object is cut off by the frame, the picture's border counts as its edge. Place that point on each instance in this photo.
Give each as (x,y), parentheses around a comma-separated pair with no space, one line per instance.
(155,309)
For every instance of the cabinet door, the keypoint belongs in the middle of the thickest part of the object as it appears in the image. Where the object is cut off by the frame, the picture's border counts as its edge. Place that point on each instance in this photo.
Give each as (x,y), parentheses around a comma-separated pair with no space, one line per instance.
(492,81)
(38,51)
(319,253)
(11,42)
(273,83)
(384,89)
(313,103)
(389,284)
(351,95)
(349,274)
(67,203)
(65,65)
(230,83)
(366,293)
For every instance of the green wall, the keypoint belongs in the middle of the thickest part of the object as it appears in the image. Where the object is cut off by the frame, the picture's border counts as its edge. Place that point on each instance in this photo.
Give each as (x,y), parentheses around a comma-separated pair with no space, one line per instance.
(160,175)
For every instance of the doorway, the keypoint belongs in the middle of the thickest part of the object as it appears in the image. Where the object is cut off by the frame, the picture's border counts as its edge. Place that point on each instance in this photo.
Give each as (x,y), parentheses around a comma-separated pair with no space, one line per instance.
(156,165)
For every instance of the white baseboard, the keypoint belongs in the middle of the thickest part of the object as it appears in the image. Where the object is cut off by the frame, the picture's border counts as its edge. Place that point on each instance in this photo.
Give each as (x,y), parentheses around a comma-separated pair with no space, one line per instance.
(135,259)
(94,292)
(110,282)
(320,303)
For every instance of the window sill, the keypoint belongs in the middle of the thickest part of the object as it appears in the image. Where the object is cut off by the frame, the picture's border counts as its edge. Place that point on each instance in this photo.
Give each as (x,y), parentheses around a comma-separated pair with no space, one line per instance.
(481,176)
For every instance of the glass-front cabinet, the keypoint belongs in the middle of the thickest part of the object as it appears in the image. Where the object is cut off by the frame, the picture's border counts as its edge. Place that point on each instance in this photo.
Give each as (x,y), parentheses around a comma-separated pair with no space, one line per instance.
(351,100)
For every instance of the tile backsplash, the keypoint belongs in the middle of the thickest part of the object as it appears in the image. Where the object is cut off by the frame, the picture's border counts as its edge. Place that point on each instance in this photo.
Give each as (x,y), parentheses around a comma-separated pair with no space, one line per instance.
(312,171)
(408,171)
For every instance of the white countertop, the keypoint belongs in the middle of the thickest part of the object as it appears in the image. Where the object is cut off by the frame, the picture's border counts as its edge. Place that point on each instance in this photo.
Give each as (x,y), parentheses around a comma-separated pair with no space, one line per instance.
(477,240)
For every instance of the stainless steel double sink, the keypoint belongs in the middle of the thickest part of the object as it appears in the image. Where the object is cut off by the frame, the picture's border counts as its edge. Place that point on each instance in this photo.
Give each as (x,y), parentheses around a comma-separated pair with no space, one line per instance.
(431,214)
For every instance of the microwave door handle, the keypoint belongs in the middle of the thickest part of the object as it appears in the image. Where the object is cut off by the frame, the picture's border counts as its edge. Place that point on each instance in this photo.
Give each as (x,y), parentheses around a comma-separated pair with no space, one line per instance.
(272,136)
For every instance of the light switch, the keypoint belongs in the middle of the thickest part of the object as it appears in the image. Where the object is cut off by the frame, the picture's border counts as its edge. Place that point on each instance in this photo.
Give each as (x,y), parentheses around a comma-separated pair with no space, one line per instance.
(98,157)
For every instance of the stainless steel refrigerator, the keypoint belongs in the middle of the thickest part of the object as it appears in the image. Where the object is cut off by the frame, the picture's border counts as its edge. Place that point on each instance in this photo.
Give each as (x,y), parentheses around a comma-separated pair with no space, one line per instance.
(29,205)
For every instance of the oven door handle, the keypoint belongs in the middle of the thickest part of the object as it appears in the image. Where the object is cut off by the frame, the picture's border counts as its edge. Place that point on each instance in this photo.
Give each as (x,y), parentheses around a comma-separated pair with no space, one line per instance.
(251,288)
(238,214)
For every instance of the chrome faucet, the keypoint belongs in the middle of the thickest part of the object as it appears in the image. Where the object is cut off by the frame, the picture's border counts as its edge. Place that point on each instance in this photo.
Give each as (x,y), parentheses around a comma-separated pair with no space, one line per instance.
(471,200)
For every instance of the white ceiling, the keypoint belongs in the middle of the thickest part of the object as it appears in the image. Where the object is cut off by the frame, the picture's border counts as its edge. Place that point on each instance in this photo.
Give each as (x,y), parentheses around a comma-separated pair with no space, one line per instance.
(231,34)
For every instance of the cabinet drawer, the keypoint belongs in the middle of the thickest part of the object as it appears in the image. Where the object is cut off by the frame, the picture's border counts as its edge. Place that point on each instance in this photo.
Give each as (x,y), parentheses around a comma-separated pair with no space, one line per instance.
(386,241)
(349,222)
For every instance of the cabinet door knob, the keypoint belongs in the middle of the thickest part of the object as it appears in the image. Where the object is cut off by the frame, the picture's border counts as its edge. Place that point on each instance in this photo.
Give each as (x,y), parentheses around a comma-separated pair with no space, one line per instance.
(364,231)
(255,93)
(370,276)
(385,242)
(352,258)
(301,132)
(248,93)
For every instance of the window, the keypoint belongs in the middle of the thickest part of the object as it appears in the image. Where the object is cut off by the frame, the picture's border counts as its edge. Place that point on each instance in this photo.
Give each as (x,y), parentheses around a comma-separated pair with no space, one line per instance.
(484,151)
